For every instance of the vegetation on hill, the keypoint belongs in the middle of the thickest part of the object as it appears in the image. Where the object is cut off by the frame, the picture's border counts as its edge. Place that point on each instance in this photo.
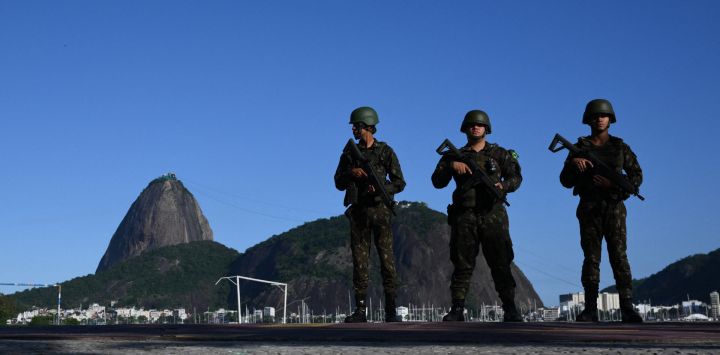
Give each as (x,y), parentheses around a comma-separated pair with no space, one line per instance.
(694,276)
(177,276)
(7,308)
(314,259)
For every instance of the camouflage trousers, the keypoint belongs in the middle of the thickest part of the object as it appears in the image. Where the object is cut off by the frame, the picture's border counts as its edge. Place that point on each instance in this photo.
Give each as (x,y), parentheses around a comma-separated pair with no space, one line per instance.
(472,229)
(365,222)
(598,220)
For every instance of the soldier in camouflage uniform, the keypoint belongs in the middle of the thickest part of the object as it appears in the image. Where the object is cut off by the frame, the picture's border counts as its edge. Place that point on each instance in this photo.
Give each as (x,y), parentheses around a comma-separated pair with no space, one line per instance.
(477,218)
(367,213)
(601,211)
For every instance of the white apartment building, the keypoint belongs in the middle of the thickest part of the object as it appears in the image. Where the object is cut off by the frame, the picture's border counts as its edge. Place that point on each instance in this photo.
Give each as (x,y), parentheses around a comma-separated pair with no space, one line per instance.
(608,301)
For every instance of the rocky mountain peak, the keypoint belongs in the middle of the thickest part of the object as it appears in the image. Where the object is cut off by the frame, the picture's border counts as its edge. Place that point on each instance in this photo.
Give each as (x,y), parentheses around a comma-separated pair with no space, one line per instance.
(164,214)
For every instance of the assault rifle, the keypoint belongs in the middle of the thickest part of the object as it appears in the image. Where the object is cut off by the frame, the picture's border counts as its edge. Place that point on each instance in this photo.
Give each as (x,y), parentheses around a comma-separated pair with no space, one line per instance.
(600,166)
(375,181)
(479,177)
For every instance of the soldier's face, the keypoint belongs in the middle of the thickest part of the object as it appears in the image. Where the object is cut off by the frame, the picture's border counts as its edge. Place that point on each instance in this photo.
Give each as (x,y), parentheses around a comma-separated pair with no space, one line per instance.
(475,131)
(600,123)
(357,130)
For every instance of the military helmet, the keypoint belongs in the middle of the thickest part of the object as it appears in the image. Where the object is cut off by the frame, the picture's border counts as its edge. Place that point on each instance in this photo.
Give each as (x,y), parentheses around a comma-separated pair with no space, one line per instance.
(365,115)
(596,107)
(476,116)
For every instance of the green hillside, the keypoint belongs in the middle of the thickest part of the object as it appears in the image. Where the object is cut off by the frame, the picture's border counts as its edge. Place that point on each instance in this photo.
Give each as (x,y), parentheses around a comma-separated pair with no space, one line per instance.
(695,276)
(176,276)
(314,259)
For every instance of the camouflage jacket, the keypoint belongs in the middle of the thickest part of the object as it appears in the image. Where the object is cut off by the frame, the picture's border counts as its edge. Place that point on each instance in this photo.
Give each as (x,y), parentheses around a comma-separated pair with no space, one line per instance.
(616,154)
(384,162)
(500,164)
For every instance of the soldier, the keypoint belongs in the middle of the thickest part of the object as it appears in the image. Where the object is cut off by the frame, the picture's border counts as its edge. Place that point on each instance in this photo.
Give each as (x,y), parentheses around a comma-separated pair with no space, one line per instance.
(477,218)
(367,213)
(601,211)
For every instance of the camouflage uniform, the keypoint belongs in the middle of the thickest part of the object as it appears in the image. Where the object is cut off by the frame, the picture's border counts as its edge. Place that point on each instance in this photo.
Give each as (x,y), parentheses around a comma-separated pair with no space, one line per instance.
(368,215)
(478,219)
(601,213)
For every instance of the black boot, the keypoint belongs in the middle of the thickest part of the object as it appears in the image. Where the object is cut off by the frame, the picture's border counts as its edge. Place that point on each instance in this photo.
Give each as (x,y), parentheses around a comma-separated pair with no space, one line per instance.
(360,314)
(391,309)
(456,313)
(589,314)
(628,313)
(510,312)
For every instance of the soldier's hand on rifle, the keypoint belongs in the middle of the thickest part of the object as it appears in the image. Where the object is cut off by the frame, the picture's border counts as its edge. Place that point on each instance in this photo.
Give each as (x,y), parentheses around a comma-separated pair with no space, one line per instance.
(582,164)
(499,186)
(601,181)
(371,188)
(358,173)
(461,168)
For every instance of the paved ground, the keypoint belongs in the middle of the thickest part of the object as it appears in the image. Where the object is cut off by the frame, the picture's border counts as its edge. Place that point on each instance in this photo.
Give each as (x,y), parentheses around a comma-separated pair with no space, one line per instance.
(405,338)
(109,346)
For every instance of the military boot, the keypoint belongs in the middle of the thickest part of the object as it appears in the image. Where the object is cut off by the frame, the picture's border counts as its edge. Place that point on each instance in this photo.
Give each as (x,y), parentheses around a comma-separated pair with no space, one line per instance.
(391,309)
(456,313)
(589,314)
(628,313)
(360,314)
(510,312)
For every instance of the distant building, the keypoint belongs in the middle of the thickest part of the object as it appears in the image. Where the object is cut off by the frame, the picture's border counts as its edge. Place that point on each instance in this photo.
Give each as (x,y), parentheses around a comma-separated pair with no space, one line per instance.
(154,315)
(550,314)
(27,316)
(644,310)
(269,312)
(180,314)
(573,298)
(715,305)
(95,311)
(403,312)
(125,312)
(692,307)
(608,301)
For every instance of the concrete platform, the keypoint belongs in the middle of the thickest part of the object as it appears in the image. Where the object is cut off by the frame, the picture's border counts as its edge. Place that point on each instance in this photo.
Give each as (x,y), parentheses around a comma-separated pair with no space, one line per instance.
(700,335)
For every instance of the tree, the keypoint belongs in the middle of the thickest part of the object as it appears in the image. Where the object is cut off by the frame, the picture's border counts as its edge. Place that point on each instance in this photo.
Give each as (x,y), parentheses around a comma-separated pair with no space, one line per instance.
(42,320)
(71,321)
(7,309)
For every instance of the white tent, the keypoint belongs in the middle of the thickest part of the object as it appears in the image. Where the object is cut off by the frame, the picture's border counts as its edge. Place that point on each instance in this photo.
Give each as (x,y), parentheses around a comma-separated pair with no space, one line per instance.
(696,317)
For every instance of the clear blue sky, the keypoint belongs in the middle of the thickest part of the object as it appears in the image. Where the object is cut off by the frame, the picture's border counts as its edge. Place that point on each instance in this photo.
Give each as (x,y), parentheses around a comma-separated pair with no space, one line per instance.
(248,103)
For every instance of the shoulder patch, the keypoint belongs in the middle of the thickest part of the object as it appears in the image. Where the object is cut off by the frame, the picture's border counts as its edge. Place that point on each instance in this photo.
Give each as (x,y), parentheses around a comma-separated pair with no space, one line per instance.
(514,154)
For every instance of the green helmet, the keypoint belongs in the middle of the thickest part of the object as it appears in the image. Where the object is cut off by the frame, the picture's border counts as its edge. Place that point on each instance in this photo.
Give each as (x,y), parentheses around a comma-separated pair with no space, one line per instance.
(365,115)
(476,116)
(596,107)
